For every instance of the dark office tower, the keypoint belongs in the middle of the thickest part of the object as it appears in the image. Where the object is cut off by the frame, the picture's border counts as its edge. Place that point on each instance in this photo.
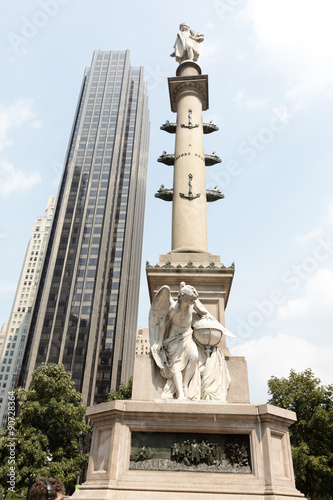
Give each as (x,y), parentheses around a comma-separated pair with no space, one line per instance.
(85,315)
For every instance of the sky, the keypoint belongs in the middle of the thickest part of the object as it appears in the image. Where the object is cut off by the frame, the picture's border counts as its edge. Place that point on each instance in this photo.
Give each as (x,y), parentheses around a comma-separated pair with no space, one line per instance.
(271,94)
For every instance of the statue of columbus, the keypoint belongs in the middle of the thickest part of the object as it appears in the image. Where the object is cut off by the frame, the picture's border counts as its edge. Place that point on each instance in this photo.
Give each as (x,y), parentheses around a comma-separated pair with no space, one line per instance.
(186,45)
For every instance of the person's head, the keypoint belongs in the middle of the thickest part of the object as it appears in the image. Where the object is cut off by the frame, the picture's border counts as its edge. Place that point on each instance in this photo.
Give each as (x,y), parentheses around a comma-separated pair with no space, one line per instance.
(187,294)
(46,488)
(183,27)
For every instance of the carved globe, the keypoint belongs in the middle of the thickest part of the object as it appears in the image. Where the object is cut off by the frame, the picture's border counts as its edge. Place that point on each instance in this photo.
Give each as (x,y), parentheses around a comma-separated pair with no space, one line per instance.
(207,332)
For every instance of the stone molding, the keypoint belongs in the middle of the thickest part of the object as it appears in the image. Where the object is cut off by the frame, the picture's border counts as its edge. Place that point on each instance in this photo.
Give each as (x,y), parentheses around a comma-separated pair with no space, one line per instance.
(109,477)
(212,281)
(196,85)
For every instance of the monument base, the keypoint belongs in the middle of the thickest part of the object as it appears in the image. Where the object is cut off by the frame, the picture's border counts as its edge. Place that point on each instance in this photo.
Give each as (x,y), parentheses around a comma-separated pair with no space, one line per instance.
(145,369)
(131,459)
(204,272)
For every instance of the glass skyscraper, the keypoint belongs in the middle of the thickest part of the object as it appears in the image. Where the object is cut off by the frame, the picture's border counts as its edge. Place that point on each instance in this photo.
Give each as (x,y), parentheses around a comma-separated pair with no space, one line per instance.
(85,314)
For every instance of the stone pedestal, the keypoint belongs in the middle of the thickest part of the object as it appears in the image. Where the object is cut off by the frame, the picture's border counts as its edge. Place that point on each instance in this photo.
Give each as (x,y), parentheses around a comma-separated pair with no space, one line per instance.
(204,271)
(268,476)
(148,383)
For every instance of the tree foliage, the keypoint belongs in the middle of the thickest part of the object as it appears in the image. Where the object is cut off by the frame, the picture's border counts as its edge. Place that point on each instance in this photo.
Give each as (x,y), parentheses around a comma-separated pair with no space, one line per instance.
(311,436)
(49,432)
(124,392)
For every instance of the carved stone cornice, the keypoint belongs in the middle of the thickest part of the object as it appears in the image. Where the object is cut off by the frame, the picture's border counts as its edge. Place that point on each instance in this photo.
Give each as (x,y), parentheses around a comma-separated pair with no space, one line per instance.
(208,280)
(197,85)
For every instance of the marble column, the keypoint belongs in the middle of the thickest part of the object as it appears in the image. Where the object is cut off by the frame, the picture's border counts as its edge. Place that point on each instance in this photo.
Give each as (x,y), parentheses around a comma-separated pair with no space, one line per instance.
(189,97)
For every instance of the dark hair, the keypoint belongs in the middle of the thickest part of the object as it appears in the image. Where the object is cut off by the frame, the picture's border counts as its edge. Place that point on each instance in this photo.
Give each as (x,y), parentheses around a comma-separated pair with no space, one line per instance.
(38,491)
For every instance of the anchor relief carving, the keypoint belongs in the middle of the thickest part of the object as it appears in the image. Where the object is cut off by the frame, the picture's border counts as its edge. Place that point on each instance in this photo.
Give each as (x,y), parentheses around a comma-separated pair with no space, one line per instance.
(190,196)
(189,121)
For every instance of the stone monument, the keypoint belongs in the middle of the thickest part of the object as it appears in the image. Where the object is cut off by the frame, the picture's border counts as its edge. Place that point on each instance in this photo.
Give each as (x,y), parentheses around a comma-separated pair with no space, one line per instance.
(189,431)
(184,338)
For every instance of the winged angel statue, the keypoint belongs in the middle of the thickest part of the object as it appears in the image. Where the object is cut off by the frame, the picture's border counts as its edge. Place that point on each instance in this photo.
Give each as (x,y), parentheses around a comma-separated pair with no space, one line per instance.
(183,338)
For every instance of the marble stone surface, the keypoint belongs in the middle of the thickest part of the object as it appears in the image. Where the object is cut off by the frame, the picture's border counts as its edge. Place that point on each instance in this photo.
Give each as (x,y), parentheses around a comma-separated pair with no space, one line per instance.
(148,383)
(184,338)
(109,475)
(186,44)
(212,283)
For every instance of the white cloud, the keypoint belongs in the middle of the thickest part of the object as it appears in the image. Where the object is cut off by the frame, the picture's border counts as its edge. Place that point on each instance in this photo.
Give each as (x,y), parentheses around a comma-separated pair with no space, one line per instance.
(249,103)
(276,356)
(13,180)
(13,116)
(311,315)
(298,39)
(315,233)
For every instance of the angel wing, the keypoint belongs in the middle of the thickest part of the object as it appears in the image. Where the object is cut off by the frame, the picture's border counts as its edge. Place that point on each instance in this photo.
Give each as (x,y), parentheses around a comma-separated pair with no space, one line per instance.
(200,311)
(159,309)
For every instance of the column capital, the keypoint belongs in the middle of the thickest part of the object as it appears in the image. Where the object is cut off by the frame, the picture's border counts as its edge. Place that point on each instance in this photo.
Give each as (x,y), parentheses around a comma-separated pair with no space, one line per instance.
(194,84)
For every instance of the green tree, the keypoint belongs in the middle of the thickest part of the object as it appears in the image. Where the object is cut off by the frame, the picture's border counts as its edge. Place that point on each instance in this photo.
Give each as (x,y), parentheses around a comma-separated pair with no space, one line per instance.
(47,437)
(15,496)
(311,436)
(124,392)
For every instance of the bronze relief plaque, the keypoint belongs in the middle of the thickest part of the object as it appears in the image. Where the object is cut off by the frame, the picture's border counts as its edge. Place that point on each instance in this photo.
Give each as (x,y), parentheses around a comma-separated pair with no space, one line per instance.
(173,451)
